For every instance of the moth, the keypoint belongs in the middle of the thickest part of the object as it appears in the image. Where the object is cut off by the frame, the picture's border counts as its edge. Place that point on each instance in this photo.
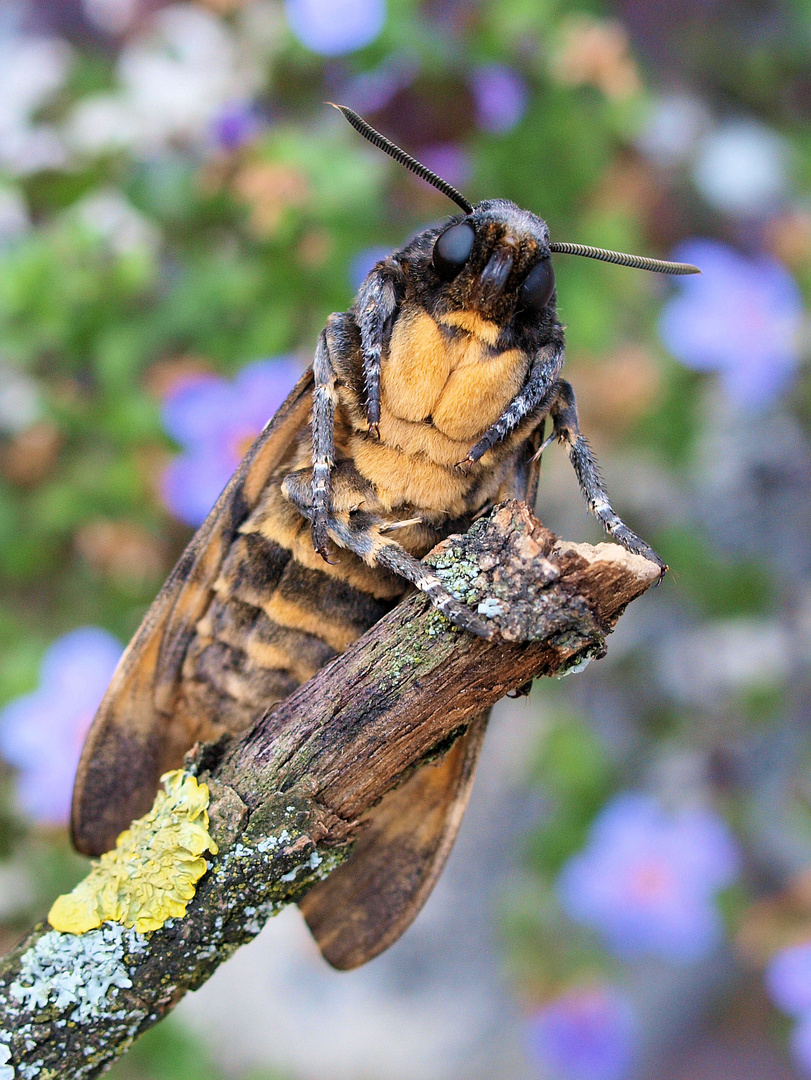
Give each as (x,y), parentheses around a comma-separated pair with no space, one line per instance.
(426,403)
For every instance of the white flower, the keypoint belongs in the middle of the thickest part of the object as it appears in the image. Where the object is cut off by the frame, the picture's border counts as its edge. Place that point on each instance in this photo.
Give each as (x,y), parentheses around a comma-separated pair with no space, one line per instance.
(20,402)
(743,168)
(32,71)
(174,80)
(673,128)
(108,215)
(14,219)
(105,122)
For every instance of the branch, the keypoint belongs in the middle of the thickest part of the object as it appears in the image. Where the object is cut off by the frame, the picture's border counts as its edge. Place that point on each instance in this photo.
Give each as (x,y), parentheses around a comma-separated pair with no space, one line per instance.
(287,797)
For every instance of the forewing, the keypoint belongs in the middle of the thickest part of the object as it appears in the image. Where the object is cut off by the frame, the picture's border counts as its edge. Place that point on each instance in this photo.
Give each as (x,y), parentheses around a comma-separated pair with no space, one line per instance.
(135,736)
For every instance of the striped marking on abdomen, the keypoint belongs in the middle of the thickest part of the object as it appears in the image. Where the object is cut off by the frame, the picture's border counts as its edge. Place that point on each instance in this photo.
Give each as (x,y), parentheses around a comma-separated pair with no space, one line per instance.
(270,626)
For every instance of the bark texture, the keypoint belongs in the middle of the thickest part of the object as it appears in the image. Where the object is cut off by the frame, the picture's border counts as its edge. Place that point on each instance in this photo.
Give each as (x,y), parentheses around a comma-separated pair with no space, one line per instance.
(287,797)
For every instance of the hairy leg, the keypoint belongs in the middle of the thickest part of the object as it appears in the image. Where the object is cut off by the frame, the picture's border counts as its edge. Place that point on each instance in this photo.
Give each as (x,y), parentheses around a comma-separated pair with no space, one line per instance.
(364,535)
(375,309)
(324,400)
(567,430)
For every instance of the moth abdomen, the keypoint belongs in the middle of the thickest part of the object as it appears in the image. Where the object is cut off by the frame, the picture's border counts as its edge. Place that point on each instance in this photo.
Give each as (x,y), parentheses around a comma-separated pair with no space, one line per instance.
(253,647)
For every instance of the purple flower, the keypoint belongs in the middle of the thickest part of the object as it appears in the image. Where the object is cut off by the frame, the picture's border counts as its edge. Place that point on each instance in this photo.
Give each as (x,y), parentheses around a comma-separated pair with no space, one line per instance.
(235,125)
(741,317)
(646,880)
(449,161)
(334,27)
(788,979)
(500,96)
(41,734)
(216,421)
(588,1033)
(371,91)
(788,983)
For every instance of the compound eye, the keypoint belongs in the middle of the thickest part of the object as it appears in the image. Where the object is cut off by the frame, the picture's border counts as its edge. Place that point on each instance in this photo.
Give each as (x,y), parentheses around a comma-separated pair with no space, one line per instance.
(539,284)
(452,250)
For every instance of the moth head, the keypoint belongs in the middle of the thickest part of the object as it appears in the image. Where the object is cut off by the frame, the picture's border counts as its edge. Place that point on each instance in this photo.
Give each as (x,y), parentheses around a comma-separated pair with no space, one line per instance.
(496,261)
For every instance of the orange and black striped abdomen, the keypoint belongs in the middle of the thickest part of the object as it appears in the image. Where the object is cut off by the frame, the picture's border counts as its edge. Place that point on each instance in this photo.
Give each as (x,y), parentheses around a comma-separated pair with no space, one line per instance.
(272,623)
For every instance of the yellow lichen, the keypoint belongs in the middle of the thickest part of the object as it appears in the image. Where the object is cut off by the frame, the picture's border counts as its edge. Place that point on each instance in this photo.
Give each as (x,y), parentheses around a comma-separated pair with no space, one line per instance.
(150,874)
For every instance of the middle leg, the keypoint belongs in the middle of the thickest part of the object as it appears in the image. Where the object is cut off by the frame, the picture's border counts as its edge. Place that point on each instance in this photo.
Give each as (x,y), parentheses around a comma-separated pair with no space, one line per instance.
(364,535)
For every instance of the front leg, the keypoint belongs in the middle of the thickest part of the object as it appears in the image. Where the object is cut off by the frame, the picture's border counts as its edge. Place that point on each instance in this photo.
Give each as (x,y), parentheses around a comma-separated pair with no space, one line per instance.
(325,398)
(535,396)
(364,535)
(567,430)
(375,310)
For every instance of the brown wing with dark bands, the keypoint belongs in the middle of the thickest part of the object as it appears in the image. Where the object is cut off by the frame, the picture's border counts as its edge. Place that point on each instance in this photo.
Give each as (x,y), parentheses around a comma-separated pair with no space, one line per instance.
(135,736)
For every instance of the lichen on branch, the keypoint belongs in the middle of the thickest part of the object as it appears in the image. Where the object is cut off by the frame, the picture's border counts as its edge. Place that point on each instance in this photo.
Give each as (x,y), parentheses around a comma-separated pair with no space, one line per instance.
(150,874)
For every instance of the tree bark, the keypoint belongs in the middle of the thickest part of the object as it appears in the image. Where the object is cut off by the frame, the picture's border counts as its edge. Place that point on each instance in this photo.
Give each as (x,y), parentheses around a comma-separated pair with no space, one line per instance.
(286,798)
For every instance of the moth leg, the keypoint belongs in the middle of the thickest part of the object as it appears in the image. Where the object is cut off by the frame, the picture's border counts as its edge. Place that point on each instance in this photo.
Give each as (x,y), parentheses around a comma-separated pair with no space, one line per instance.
(363,534)
(536,394)
(390,555)
(375,308)
(544,443)
(325,397)
(567,429)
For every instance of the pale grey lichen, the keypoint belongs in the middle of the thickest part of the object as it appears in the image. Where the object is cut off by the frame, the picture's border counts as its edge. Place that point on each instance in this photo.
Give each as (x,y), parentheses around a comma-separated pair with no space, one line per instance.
(490,606)
(314,861)
(258,916)
(270,843)
(82,970)
(6,1069)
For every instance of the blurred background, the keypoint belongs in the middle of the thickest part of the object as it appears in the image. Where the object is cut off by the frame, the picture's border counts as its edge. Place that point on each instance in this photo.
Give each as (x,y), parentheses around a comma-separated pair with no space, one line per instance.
(630,896)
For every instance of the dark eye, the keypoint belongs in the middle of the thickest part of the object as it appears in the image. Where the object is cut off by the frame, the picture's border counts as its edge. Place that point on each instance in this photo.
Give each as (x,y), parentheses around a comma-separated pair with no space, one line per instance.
(538,286)
(452,250)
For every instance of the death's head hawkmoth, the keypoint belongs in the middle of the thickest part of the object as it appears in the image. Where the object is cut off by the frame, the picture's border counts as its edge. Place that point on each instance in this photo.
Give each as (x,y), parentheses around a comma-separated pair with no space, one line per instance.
(426,403)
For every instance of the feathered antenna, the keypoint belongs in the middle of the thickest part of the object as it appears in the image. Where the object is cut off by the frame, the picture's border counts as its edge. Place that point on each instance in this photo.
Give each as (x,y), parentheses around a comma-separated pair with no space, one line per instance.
(640,262)
(374,137)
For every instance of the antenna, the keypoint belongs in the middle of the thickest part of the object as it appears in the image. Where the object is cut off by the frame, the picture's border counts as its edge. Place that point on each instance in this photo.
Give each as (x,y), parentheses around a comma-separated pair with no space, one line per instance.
(639,262)
(380,141)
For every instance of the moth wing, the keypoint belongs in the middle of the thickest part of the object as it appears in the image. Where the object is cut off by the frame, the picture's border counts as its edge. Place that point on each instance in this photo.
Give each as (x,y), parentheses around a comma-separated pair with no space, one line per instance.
(370,900)
(135,737)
